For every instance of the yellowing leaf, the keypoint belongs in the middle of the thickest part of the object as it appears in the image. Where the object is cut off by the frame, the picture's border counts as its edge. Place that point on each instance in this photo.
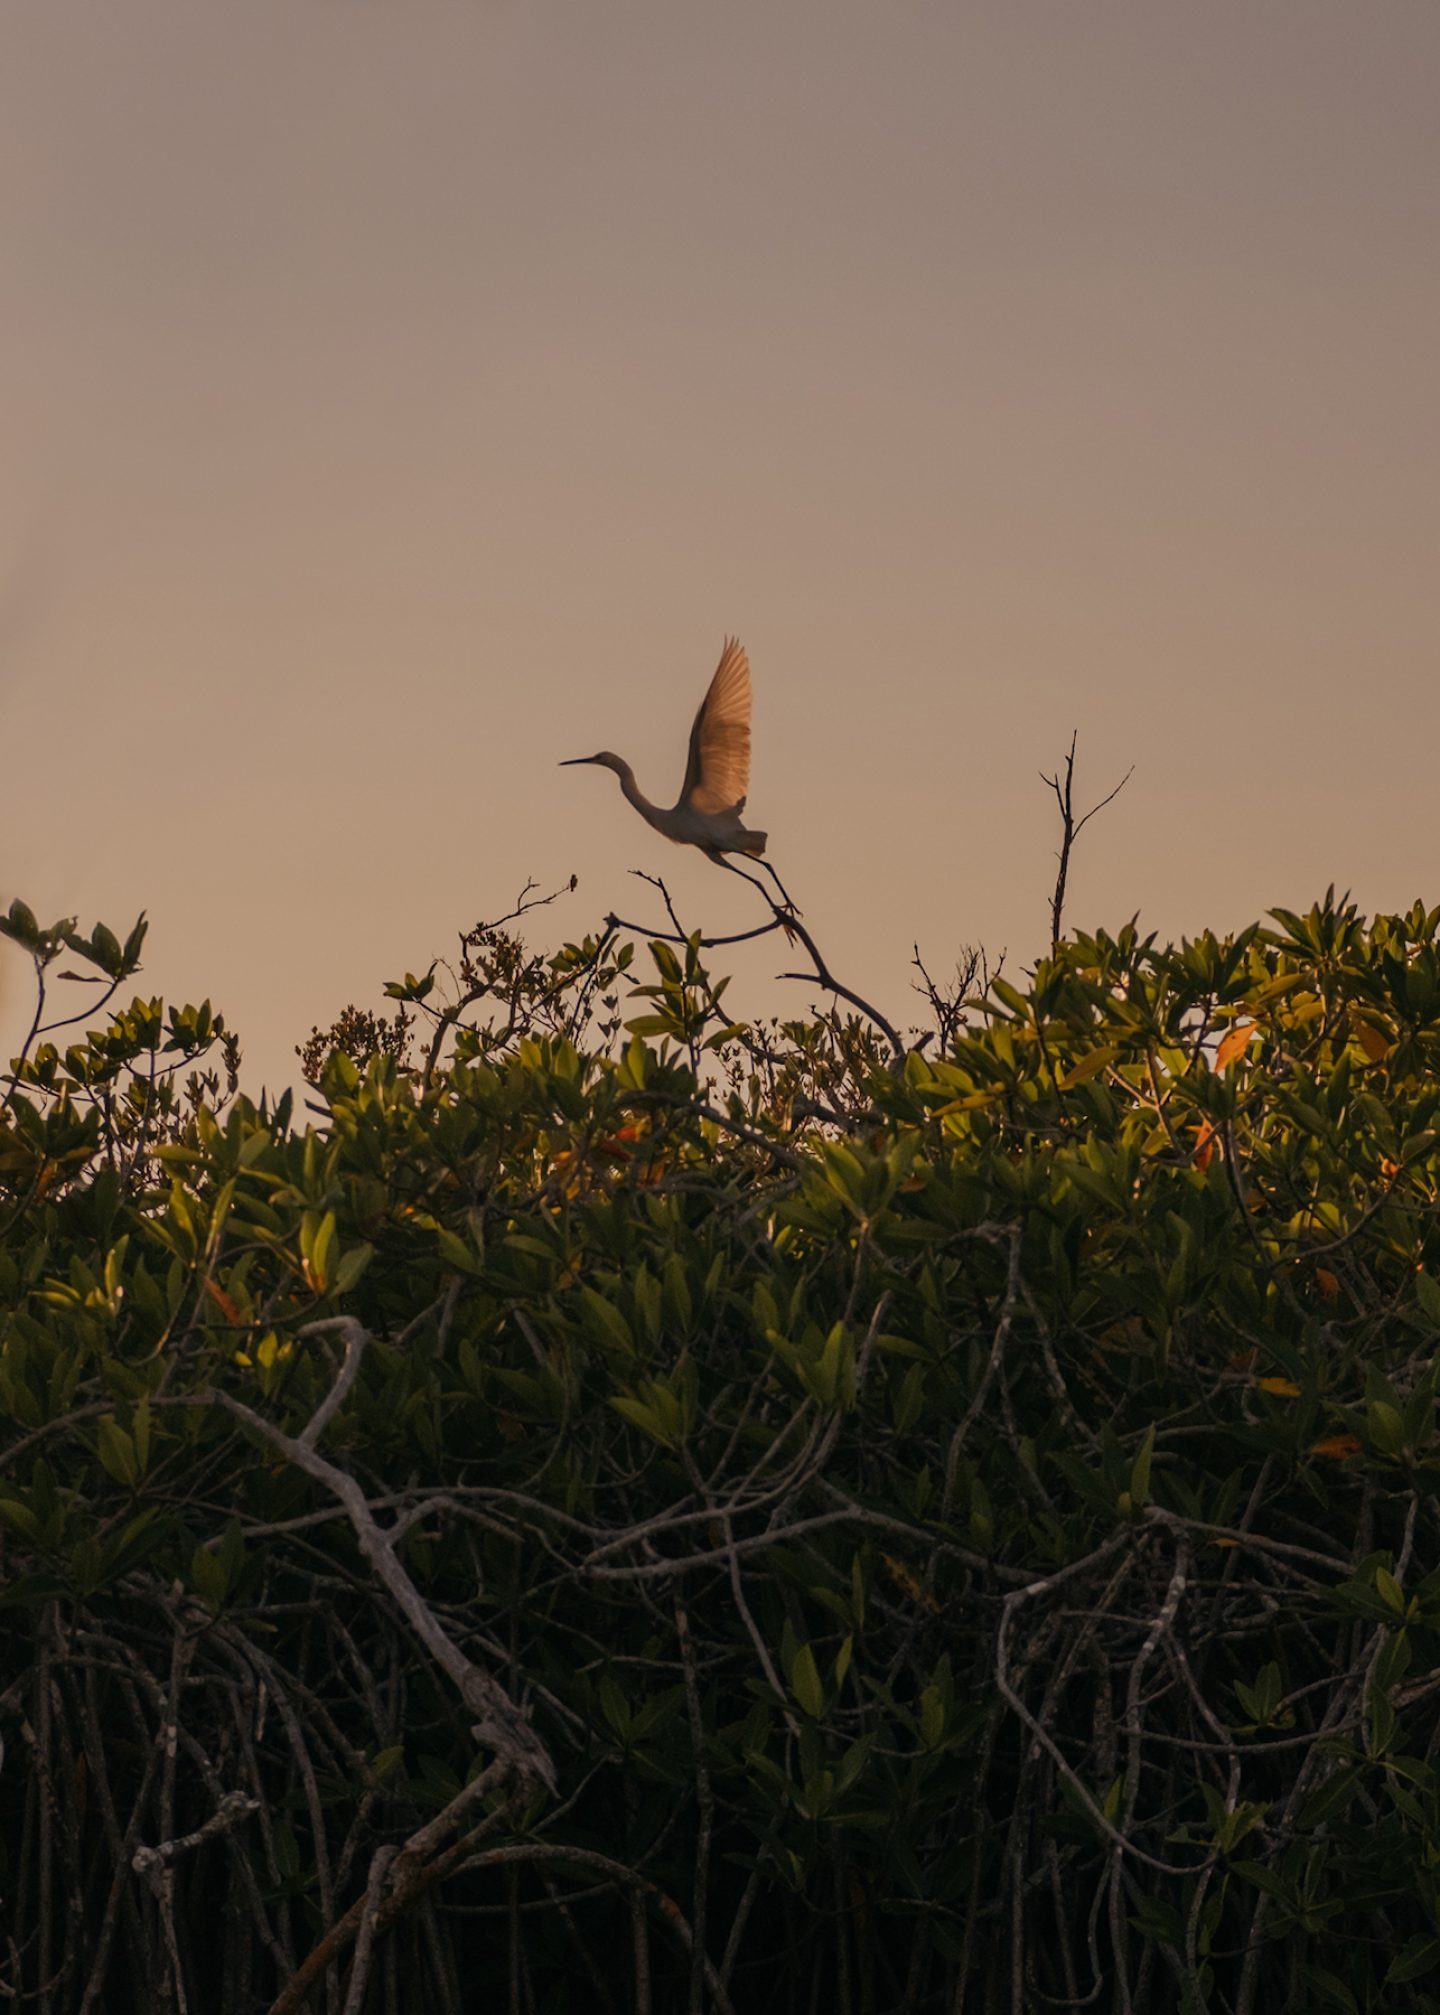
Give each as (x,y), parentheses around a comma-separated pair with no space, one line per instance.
(1090,1066)
(970,1103)
(1283,1388)
(900,1574)
(1273,989)
(1375,1043)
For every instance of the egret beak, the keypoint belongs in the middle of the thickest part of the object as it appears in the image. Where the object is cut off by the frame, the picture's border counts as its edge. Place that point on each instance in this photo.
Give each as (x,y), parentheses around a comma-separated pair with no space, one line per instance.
(570,761)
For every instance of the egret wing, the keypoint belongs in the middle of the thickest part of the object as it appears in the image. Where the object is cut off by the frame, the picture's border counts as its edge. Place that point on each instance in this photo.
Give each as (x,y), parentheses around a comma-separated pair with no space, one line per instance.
(717,776)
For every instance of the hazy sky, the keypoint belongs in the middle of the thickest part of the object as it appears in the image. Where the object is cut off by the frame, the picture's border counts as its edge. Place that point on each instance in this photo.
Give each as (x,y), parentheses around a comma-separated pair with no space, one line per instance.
(398,396)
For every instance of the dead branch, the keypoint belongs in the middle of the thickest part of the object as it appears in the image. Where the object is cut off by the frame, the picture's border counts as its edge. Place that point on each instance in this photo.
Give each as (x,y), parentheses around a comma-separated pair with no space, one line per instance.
(501,1724)
(232,1811)
(1071,828)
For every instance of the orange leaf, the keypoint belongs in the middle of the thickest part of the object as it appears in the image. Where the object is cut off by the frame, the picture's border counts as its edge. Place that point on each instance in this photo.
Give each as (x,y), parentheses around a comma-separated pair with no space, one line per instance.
(1234,1044)
(1204,1144)
(1283,1388)
(1337,1446)
(1325,1280)
(901,1575)
(223,1301)
(1224,1542)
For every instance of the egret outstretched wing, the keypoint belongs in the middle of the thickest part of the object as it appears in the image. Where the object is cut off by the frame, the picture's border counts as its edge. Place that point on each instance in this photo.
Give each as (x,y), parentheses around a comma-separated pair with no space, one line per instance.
(717,776)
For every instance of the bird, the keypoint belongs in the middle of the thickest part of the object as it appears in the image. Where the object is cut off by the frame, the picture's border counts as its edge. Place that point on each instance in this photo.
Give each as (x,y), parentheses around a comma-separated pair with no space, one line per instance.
(707,813)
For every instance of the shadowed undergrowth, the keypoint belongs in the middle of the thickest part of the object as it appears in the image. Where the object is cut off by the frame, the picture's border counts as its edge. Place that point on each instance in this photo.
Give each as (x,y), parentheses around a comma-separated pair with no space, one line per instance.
(631,1510)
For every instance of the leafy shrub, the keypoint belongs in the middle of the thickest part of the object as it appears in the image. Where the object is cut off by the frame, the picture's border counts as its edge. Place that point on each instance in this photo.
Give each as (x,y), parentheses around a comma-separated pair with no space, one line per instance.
(691,1515)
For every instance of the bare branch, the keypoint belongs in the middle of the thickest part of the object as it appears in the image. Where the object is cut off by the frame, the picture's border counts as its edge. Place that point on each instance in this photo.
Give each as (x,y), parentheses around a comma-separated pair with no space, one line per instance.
(501,1724)
(232,1811)
(1071,828)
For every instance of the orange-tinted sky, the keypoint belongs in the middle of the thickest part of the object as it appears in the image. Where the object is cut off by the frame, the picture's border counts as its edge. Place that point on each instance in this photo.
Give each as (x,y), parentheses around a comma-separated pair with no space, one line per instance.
(399,396)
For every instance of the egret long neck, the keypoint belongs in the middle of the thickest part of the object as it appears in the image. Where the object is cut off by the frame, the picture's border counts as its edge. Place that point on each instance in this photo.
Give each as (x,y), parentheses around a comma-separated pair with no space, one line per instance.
(634,793)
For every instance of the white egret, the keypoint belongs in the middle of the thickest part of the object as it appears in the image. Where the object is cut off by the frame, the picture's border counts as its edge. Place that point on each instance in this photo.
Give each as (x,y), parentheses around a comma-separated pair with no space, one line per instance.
(717,775)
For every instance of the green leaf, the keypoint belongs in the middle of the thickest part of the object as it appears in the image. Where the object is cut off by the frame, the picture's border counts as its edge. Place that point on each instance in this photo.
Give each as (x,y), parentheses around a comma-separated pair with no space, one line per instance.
(842,1661)
(805,1683)
(932,1716)
(117,1452)
(353,1262)
(646,1418)
(208,1577)
(1390,1591)
(1418,1955)
(1382,1723)
(317,1250)
(21,925)
(654,1024)
(857,1591)
(1386,1427)
(141,1426)
(108,955)
(20,1519)
(605,1323)
(453,1250)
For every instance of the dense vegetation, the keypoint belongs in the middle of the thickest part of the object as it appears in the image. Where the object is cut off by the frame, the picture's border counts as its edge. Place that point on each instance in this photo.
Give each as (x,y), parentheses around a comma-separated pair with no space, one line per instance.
(624,1510)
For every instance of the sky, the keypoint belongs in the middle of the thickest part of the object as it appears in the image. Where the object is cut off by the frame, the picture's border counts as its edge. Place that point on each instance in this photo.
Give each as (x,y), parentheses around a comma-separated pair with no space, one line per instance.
(399,396)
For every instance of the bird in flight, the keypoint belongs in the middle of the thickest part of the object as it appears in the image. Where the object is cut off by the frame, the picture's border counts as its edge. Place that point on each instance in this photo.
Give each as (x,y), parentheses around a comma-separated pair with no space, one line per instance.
(717,775)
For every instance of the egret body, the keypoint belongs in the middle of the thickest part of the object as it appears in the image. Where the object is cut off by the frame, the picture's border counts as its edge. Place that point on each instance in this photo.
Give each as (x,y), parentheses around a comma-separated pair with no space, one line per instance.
(707,813)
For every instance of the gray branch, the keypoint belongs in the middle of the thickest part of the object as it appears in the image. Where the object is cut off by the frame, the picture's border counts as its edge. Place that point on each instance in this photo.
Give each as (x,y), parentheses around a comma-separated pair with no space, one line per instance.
(500,1723)
(234,1808)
